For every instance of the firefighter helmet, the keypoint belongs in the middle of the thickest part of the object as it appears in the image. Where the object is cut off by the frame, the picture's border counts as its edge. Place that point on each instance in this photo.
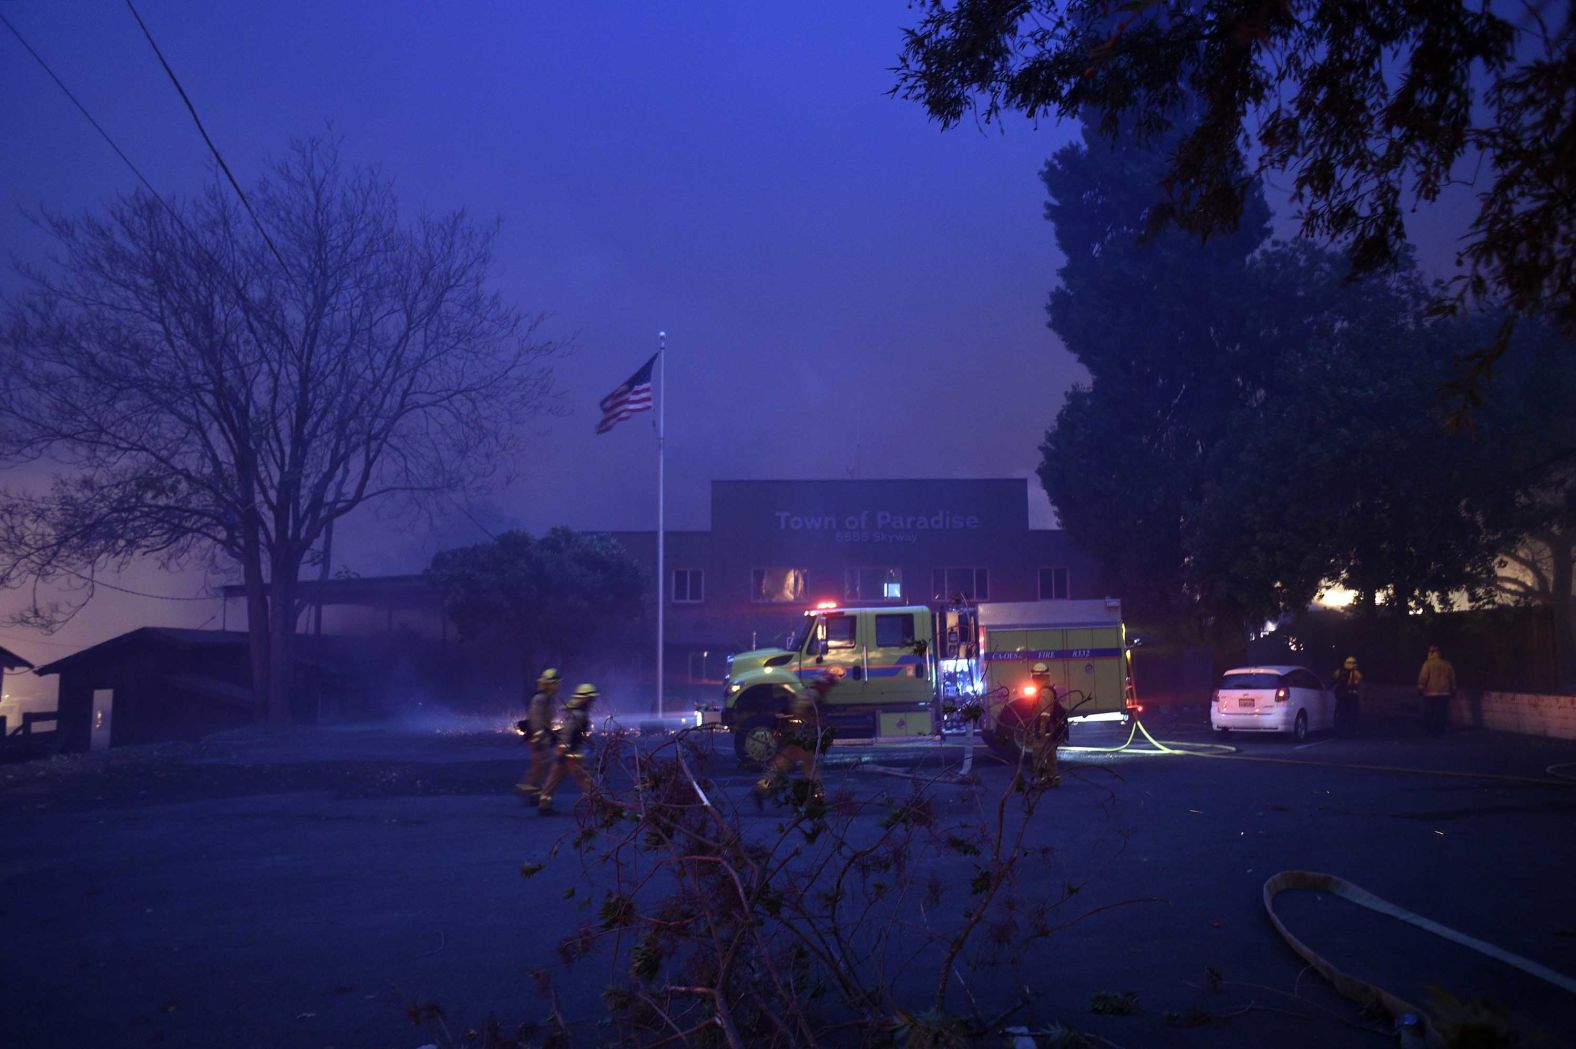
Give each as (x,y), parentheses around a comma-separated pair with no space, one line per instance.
(1039,670)
(584,695)
(550,676)
(1351,662)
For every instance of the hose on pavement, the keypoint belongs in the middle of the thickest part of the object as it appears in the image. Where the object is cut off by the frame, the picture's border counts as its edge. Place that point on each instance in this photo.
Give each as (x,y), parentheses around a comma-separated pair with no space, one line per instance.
(1363,992)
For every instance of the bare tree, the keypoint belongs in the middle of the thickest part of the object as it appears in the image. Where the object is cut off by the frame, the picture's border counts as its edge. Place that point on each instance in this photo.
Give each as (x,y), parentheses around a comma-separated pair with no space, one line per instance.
(208,391)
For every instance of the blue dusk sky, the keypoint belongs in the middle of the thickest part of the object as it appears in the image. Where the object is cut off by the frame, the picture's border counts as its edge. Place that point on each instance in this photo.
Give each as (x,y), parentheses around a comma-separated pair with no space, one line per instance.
(847,289)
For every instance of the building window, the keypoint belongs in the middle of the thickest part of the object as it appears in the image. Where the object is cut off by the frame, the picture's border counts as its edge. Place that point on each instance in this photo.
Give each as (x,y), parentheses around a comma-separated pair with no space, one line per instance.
(688,586)
(972,584)
(1053,584)
(777,585)
(873,584)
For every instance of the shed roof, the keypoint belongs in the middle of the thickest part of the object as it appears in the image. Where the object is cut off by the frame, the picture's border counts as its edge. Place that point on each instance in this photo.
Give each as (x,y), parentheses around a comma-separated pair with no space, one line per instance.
(169,637)
(11,661)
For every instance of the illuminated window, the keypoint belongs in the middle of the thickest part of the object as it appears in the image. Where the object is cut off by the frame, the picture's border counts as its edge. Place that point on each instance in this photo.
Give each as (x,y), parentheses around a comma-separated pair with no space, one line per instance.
(1053,584)
(688,586)
(972,584)
(873,584)
(777,585)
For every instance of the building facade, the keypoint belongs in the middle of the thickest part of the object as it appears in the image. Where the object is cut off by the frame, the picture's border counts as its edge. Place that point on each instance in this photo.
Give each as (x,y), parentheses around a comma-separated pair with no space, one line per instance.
(775,548)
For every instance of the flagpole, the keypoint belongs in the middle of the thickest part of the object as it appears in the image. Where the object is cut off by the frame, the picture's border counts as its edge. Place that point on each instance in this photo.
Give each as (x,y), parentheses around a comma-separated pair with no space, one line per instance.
(662,579)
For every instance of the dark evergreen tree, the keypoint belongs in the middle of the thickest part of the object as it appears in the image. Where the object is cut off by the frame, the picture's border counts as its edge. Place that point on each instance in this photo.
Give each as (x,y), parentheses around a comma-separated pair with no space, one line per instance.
(1255,423)
(1158,323)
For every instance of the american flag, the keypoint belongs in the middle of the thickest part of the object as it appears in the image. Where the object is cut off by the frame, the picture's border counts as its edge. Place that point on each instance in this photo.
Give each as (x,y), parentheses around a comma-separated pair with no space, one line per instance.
(632,396)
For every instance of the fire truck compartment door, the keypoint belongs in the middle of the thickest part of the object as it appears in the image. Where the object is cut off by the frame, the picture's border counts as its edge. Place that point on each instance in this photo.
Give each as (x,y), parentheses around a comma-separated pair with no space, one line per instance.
(896,675)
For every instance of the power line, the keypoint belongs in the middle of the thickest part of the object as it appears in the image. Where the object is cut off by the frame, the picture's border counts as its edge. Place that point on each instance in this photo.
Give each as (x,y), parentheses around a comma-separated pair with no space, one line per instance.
(93,581)
(487,531)
(37,641)
(174,214)
(211,147)
(84,109)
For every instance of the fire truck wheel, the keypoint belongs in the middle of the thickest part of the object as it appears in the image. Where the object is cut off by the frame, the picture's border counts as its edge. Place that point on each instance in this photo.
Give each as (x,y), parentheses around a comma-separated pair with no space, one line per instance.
(754,741)
(1009,736)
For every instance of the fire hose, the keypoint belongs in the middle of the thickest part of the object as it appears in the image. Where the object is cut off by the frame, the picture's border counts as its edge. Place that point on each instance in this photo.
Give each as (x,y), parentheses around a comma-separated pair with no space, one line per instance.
(1348,986)
(1368,994)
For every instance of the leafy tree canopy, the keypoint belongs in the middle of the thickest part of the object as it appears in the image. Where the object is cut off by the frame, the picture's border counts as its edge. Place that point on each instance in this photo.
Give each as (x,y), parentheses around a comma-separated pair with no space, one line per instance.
(1371,107)
(548,596)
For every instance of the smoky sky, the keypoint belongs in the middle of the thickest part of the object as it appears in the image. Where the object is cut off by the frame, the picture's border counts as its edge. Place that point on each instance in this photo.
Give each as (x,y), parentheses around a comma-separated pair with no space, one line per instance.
(848,291)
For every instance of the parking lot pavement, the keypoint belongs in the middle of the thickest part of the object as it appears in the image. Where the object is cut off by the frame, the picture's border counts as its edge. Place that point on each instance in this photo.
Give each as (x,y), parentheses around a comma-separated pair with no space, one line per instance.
(304,889)
(1383,742)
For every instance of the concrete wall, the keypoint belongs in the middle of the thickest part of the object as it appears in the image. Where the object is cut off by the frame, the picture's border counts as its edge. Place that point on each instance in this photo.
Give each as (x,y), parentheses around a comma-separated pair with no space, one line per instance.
(1520,712)
(1526,714)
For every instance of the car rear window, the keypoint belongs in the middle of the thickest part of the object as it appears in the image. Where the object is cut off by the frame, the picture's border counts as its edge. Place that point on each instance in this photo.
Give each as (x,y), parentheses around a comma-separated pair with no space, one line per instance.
(1232,681)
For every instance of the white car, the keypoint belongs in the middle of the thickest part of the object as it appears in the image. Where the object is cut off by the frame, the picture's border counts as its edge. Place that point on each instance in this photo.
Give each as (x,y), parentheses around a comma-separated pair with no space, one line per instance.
(1272,699)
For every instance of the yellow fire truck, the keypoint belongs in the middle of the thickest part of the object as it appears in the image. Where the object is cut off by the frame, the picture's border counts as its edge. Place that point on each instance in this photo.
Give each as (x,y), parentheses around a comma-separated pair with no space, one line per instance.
(913,672)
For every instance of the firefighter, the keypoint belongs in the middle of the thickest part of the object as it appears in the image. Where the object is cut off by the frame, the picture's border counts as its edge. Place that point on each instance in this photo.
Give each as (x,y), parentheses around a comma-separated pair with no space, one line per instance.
(538,730)
(572,745)
(1436,683)
(800,737)
(1347,680)
(1049,729)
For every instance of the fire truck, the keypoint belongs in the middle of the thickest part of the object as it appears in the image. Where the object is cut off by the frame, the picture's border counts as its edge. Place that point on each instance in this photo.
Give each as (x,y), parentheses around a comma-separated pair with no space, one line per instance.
(915,673)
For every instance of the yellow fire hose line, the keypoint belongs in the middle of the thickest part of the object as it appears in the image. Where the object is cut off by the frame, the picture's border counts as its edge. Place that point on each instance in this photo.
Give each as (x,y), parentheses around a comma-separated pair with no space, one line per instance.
(1360,990)
(1229,753)
(1131,732)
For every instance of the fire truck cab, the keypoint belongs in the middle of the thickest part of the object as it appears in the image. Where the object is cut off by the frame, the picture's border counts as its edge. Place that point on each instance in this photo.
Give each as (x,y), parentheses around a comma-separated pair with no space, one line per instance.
(886,690)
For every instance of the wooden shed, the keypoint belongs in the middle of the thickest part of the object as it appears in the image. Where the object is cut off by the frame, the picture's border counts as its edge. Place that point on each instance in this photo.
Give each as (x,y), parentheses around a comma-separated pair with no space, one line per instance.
(152,684)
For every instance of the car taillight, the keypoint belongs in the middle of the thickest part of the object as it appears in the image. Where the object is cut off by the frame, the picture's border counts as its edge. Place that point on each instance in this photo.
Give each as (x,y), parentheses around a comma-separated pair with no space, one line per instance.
(1282,695)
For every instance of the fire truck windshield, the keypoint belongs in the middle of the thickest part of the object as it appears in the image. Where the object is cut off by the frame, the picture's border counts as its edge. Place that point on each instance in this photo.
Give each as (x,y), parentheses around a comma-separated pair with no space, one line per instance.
(801,633)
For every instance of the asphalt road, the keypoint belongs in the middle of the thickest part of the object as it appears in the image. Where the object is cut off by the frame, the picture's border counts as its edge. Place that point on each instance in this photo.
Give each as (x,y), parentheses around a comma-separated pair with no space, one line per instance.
(304,889)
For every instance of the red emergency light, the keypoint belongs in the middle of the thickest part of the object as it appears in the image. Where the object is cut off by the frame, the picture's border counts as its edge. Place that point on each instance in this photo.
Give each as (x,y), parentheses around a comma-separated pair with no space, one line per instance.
(821,606)
(1031,690)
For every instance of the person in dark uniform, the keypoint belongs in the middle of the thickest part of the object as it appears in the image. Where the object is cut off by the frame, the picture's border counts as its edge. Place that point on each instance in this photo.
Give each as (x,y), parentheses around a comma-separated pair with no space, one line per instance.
(573,743)
(1347,680)
(801,736)
(538,729)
